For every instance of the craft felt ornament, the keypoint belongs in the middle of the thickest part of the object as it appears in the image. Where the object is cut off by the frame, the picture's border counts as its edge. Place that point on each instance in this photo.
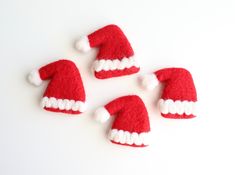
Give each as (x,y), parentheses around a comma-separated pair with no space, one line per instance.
(65,92)
(179,95)
(115,57)
(131,125)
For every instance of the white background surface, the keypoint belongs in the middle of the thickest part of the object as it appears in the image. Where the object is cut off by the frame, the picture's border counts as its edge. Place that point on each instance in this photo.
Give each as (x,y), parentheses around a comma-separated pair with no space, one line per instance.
(198,35)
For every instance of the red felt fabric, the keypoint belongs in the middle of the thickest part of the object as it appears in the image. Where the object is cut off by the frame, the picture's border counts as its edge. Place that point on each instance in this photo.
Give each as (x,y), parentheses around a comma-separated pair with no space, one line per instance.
(131,114)
(112,43)
(65,82)
(178,85)
(177,116)
(116,73)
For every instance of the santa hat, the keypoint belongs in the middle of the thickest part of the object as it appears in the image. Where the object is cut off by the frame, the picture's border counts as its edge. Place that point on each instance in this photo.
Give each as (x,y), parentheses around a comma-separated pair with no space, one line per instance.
(179,95)
(131,125)
(65,92)
(115,57)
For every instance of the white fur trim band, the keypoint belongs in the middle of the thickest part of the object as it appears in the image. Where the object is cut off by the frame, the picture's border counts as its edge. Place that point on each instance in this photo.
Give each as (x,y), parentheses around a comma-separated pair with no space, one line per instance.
(34,78)
(63,104)
(125,137)
(116,64)
(83,44)
(177,107)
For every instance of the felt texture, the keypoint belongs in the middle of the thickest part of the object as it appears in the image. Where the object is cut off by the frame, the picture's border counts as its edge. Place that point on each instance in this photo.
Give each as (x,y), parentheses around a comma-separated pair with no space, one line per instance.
(112,44)
(131,115)
(62,111)
(116,73)
(178,116)
(178,86)
(65,83)
(133,145)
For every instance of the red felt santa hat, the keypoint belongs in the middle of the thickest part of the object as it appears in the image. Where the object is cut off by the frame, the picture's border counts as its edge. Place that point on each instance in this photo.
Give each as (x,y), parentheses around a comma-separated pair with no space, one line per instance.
(131,126)
(65,92)
(115,57)
(179,95)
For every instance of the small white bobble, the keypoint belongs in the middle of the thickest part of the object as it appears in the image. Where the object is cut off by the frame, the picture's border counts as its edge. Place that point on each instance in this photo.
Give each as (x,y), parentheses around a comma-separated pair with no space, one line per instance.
(34,78)
(101,115)
(149,82)
(83,44)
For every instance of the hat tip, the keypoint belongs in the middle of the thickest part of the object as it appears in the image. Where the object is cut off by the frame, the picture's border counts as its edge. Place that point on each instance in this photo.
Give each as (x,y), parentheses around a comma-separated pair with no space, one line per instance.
(149,81)
(34,78)
(101,115)
(83,44)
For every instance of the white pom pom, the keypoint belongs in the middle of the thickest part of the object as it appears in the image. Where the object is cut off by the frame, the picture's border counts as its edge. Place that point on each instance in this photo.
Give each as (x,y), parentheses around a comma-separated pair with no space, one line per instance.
(101,115)
(83,44)
(149,81)
(34,78)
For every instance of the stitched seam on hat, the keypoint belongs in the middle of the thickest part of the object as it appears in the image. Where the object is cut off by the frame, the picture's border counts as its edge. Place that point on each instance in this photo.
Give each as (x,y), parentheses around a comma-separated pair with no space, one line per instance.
(116,64)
